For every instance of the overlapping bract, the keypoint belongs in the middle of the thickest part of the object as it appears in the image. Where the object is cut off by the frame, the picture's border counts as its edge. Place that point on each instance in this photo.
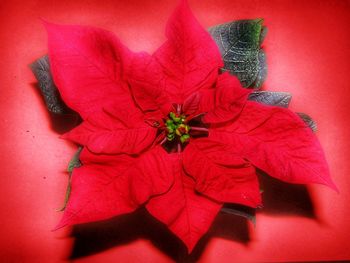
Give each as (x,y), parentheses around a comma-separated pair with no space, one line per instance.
(119,94)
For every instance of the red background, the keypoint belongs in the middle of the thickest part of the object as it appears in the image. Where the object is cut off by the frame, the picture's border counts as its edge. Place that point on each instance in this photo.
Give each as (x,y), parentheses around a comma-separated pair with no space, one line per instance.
(308,55)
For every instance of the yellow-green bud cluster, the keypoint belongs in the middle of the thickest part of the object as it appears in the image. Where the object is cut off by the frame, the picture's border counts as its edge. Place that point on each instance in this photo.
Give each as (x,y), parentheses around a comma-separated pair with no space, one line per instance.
(176,127)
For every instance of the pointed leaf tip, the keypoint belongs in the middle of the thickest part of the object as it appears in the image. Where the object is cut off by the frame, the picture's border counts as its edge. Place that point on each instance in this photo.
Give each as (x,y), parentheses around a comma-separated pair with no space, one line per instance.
(182,54)
(331,185)
(280,144)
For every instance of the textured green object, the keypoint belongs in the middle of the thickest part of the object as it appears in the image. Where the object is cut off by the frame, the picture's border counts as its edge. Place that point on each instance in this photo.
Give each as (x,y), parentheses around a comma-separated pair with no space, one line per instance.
(73,163)
(308,120)
(176,126)
(240,46)
(42,72)
(273,98)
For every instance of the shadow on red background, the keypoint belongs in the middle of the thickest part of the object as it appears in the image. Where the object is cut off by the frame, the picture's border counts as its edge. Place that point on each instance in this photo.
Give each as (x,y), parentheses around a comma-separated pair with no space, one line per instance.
(280,199)
(96,237)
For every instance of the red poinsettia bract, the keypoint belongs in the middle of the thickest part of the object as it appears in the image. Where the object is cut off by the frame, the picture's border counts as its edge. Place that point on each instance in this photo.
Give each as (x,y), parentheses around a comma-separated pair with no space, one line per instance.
(133,104)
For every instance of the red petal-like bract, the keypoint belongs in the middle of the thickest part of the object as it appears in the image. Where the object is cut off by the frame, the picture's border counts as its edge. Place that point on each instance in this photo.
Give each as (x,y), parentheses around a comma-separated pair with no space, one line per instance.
(114,131)
(187,214)
(147,83)
(278,142)
(107,186)
(190,58)
(226,101)
(221,174)
(88,66)
(124,98)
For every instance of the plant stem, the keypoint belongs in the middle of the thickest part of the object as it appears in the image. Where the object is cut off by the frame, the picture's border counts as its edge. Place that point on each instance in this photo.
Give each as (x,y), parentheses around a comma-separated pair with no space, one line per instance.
(163,141)
(199,129)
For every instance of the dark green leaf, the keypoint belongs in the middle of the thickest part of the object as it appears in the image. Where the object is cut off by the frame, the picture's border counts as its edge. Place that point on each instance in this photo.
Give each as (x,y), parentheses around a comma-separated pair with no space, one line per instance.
(66,198)
(262,70)
(308,120)
(41,70)
(73,163)
(240,210)
(239,43)
(281,99)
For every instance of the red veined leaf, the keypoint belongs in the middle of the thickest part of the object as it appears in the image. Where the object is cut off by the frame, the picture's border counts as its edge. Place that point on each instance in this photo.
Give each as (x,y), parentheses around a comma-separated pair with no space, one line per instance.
(230,98)
(186,213)
(190,58)
(220,173)
(88,67)
(111,133)
(118,186)
(278,142)
(147,84)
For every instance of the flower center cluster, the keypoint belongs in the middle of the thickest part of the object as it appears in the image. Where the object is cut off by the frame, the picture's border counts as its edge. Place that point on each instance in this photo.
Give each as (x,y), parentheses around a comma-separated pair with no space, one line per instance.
(177,128)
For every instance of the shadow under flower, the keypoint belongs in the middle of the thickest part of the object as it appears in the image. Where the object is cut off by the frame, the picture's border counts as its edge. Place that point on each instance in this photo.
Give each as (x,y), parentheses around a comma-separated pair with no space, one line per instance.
(95,237)
(280,198)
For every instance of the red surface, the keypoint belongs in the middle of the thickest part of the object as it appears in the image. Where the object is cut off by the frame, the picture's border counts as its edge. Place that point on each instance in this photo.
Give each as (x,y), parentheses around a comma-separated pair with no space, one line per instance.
(307,48)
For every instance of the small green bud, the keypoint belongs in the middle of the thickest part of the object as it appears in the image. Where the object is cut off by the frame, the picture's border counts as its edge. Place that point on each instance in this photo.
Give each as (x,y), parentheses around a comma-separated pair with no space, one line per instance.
(172,115)
(184,138)
(176,128)
(177,119)
(170,137)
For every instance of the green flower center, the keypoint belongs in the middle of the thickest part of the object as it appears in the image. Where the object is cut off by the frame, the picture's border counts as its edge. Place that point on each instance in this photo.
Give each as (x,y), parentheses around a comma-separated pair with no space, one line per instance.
(177,128)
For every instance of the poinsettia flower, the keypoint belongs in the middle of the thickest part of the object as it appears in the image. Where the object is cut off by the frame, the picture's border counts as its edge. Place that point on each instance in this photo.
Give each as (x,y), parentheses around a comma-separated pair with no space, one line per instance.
(169,131)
